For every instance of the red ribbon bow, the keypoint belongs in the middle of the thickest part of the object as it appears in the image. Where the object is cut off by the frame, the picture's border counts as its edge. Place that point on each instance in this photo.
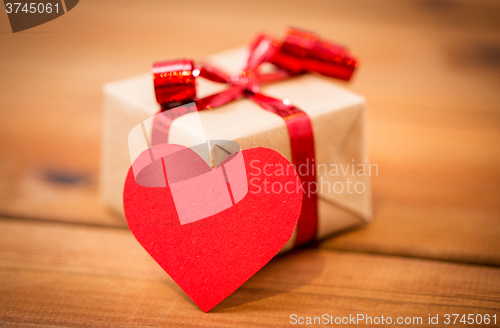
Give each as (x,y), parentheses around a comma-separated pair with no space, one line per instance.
(300,52)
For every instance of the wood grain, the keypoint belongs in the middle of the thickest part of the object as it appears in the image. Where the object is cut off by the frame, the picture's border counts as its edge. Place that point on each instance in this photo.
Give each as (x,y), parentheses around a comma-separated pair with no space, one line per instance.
(59,274)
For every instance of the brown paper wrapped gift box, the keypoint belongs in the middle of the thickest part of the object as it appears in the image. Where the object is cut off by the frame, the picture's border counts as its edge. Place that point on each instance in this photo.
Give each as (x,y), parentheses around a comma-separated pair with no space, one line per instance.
(339,127)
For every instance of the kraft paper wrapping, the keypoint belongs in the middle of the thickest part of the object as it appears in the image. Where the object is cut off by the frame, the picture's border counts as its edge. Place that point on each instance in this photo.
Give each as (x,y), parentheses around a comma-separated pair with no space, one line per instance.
(339,125)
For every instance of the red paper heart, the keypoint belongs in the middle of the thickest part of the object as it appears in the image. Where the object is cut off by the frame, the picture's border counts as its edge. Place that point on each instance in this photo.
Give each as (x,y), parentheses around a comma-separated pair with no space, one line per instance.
(211,258)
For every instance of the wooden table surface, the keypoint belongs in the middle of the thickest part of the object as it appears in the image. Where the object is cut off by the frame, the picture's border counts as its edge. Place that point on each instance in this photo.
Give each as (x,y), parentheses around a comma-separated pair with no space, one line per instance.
(431,75)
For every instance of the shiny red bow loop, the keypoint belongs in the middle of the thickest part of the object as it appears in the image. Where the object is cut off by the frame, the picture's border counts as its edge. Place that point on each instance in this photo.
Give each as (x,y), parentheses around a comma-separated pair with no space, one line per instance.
(300,52)
(303,51)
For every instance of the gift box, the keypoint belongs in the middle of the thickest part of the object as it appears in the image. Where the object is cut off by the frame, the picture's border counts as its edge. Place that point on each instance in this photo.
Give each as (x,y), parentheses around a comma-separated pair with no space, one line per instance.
(338,122)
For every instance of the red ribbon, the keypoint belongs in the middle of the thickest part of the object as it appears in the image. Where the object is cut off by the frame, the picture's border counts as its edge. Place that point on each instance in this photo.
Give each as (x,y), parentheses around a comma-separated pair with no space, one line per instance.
(300,52)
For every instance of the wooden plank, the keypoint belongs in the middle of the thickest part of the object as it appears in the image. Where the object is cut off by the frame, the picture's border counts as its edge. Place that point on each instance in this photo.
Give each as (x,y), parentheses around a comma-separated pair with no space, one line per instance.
(432,232)
(59,274)
(52,192)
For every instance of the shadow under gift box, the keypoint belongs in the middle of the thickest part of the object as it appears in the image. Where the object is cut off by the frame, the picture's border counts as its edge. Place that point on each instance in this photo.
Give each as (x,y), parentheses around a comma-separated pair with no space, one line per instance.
(339,127)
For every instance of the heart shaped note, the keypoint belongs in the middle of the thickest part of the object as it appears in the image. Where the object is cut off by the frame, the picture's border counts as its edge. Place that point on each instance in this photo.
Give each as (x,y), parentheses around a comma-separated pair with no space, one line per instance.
(210,257)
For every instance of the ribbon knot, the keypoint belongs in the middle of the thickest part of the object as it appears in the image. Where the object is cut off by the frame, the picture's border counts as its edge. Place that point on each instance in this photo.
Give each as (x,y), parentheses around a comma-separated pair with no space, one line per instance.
(300,52)
(247,81)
